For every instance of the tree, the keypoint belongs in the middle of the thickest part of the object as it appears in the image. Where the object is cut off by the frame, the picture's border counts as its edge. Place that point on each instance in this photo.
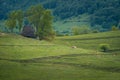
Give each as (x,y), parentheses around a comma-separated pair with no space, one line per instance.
(15,17)
(19,18)
(11,24)
(75,30)
(34,15)
(106,17)
(104,47)
(46,26)
(81,30)
(114,28)
(42,20)
(11,21)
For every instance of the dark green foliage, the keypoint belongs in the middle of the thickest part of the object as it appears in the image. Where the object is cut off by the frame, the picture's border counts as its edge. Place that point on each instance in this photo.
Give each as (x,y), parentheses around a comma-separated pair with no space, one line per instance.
(11,24)
(42,20)
(19,18)
(114,28)
(95,31)
(37,16)
(104,47)
(14,18)
(104,12)
(106,17)
(81,30)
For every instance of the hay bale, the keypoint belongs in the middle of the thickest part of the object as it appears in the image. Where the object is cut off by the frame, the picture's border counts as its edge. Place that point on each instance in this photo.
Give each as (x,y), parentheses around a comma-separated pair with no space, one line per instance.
(74,47)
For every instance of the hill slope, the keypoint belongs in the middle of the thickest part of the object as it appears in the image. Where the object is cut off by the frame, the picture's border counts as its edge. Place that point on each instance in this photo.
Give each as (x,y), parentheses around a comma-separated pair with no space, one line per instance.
(92,41)
(28,59)
(18,47)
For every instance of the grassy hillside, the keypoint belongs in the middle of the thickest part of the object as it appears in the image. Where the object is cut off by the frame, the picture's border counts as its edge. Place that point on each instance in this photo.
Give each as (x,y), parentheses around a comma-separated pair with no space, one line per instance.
(29,59)
(18,47)
(92,41)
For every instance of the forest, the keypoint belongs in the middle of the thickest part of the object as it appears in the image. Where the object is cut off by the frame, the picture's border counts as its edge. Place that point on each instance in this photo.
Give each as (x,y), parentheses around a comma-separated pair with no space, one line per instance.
(102,12)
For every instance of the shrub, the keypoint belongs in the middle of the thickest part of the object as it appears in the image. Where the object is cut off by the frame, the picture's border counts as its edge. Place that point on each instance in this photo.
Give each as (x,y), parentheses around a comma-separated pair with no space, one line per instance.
(81,30)
(104,47)
(114,28)
(95,31)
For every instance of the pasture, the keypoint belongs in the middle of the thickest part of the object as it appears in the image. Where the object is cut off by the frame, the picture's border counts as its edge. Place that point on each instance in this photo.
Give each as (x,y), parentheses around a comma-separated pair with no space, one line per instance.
(30,59)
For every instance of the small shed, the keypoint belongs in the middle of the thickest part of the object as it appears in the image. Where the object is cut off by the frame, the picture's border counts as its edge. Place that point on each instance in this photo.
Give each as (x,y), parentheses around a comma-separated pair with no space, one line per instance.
(28,31)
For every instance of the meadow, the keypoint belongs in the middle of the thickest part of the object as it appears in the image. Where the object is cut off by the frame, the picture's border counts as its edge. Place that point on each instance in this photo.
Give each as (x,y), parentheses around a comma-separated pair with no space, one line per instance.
(30,59)
(92,41)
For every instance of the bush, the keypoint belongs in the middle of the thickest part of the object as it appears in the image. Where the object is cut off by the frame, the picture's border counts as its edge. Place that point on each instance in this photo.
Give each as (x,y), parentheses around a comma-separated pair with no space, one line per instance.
(114,28)
(81,30)
(104,47)
(95,31)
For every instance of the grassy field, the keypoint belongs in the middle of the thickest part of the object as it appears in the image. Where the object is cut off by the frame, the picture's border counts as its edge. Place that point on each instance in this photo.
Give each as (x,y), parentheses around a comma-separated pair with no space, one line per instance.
(92,41)
(29,59)
(18,47)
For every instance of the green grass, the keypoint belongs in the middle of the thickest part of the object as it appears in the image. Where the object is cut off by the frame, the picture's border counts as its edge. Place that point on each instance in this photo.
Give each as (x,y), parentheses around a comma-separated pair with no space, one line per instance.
(92,41)
(29,59)
(18,47)
(93,67)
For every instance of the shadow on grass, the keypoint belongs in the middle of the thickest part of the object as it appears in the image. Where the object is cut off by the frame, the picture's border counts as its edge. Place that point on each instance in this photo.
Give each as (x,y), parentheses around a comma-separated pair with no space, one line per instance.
(93,38)
(113,50)
(90,66)
(86,66)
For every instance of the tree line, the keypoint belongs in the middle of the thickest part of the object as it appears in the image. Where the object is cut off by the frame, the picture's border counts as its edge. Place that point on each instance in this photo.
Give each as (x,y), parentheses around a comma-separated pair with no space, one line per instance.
(102,12)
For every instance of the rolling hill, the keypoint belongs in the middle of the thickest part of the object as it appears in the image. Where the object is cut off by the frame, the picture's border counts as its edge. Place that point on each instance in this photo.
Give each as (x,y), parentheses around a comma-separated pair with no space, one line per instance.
(92,41)
(24,48)
(29,59)
(77,57)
